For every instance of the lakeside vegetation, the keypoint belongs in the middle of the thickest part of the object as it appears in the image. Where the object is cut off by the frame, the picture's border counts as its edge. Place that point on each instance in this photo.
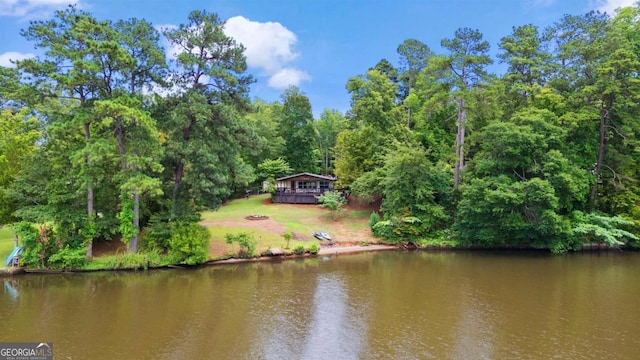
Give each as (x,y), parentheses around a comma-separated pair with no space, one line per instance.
(108,139)
(6,244)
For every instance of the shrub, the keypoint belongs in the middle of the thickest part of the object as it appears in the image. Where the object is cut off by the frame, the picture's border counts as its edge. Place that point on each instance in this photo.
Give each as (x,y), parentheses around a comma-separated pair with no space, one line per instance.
(246,241)
(299,250)
(271,186)
(156,234)
(383,229)
(374,219)
(69,258)
(38,244)
(334,201)
(189,243)
(314,248)
(129,261)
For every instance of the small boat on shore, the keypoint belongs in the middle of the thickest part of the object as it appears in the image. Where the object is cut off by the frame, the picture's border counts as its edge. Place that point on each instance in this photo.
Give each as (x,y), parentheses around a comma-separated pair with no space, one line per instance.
(321,236)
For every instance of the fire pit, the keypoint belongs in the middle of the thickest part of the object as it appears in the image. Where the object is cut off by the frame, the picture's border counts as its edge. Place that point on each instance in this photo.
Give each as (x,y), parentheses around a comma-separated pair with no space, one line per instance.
(257,217)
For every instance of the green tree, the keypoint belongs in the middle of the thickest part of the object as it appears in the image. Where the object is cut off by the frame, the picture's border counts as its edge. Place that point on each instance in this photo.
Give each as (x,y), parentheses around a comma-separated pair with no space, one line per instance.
(529,63)
(415,187)
(96,62)
(327,128)
(414,57)
(296,128)
(137,143)
(273,169)
(467,59)
(522,188)
(75,49)
(375,121)
(20,133)
(204,134)
(263,122)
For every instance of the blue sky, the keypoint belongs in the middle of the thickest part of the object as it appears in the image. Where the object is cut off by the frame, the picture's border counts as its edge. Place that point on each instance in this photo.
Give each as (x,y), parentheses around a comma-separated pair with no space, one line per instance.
(314,44)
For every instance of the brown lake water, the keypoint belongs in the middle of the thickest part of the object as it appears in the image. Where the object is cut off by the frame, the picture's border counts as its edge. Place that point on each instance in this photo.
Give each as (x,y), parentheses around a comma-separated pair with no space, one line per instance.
(385,305)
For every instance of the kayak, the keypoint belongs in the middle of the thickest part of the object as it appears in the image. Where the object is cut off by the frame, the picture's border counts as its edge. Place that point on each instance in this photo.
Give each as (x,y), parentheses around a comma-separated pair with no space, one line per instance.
(322,236)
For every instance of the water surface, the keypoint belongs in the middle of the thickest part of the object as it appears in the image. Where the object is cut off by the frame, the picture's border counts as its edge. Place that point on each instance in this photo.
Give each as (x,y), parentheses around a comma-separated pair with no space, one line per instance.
(386,305)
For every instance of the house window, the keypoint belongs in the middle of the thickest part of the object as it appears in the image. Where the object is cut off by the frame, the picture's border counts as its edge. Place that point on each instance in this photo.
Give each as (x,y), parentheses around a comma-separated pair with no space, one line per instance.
(306,184)
(325,185)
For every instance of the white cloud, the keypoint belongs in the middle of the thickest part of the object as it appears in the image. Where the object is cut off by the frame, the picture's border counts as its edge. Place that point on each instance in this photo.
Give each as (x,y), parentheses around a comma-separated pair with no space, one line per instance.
(269,47)
(286,77)
(21,8)
(609,6)
(5,59)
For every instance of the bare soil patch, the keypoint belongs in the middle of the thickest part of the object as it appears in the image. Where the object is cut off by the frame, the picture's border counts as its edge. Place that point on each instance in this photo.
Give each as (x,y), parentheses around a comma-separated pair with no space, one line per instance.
(109,247)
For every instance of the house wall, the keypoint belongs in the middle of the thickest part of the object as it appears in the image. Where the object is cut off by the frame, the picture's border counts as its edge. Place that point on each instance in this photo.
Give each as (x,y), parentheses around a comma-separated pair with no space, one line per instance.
(292,183)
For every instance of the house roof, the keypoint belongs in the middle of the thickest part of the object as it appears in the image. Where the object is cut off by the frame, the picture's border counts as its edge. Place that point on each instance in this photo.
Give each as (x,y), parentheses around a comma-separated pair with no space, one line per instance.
(321,177)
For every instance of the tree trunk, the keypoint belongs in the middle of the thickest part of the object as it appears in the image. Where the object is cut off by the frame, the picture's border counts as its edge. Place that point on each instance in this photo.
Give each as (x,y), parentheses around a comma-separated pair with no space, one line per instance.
(459,144)
(120,137)
(133,245)
(87,137)
(15,239)
(604,123)
(179,173)
(176,187)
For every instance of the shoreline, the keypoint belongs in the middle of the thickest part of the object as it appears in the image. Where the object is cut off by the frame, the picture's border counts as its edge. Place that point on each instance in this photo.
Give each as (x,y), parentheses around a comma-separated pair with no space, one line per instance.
(325,251)
(332,251)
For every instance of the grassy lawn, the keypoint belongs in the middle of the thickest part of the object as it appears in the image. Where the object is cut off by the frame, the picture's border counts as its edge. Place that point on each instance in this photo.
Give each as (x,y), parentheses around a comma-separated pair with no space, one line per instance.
(266,240)
(6,244)
(301,220)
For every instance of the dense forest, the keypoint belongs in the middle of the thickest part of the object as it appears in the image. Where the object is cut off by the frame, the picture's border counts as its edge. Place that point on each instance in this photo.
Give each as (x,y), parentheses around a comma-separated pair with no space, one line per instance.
(105,137)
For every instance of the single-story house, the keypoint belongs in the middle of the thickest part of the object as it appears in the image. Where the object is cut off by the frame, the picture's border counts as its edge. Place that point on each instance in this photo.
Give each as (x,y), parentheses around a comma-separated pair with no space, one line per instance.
(302,188)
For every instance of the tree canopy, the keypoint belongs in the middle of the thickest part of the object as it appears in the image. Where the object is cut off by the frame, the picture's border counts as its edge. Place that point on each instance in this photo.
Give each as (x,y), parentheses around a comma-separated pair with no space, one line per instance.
(105,137)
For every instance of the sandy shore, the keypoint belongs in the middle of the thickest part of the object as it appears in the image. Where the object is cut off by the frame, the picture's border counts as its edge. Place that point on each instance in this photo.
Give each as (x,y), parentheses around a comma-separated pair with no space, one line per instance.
(336,250)
(325,251)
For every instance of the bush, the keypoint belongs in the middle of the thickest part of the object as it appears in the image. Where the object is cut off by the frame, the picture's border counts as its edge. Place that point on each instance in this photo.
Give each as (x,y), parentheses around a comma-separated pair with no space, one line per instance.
(130,261)
(189,243)
(314,248)
(156,235)
(38,244)
(246,241)
(299,250)
(399,229)
(383,229)
(69,258)
(333,201)
(374,219)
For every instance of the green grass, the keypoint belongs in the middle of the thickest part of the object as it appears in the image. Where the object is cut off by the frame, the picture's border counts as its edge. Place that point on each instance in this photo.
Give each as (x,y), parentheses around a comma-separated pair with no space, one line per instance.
(300,220)
(237,209)
(266,239)
(6,244)
(354,216)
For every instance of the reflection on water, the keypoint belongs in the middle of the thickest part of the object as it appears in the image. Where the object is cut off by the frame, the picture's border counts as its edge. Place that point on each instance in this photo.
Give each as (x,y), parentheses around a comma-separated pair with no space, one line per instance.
(10,288)
(337,328)
(420,305)
(474,329)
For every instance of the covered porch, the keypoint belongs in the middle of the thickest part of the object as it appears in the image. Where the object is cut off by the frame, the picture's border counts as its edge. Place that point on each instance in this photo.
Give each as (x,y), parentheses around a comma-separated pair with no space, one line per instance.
(302,188)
